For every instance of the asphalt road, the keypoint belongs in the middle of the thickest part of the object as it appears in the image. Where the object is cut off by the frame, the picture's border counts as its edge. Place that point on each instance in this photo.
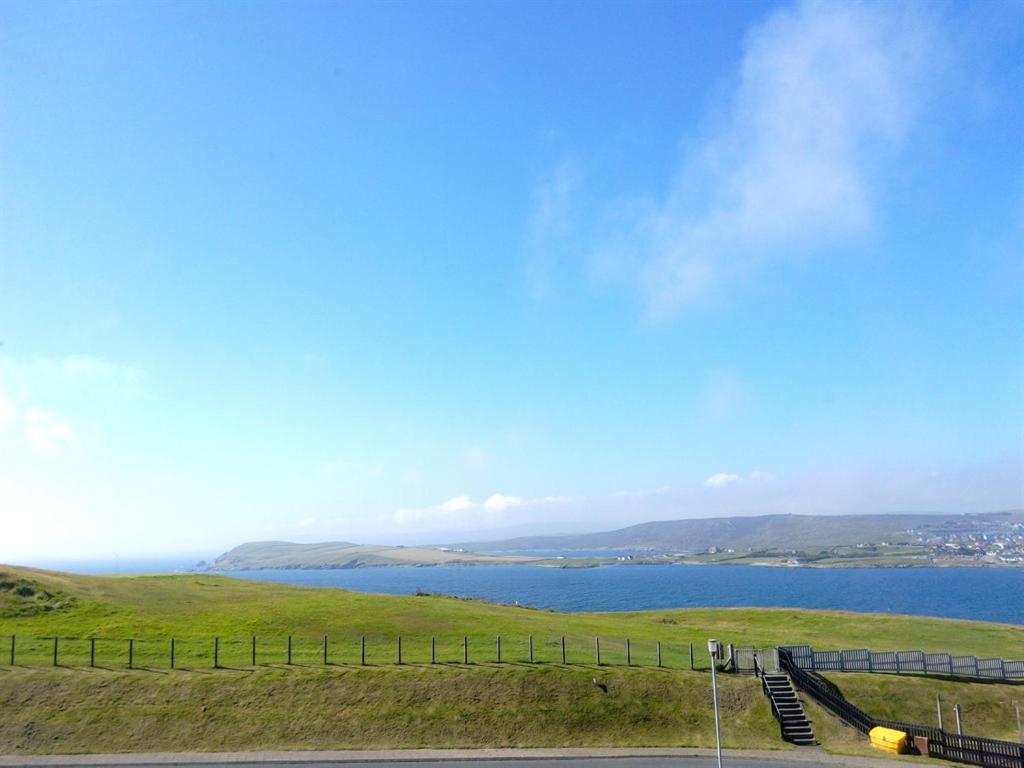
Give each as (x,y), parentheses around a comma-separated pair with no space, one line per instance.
(565,762)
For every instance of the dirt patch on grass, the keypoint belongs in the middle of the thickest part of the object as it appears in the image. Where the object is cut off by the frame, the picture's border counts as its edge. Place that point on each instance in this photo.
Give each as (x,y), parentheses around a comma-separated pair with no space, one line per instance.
(20,597)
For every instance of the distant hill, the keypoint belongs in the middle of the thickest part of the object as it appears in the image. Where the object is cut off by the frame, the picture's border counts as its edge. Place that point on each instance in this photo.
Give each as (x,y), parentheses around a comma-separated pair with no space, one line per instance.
(760,533)
(261,555)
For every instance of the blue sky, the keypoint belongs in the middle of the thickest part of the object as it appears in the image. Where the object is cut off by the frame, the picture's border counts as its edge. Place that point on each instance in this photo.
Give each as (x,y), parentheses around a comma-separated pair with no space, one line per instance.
(412,272)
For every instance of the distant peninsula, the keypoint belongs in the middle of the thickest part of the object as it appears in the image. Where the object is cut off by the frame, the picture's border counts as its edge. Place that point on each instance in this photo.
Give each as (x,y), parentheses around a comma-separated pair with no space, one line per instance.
(264,555)
(897,540)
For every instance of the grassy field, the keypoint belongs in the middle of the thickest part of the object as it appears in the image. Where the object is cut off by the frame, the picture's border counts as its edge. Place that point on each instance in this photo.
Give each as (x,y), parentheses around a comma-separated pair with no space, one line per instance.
(195,609)
(346,705)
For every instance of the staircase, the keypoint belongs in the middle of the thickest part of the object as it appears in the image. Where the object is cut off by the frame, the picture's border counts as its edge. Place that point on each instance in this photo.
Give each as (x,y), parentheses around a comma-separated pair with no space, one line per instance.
(788,710)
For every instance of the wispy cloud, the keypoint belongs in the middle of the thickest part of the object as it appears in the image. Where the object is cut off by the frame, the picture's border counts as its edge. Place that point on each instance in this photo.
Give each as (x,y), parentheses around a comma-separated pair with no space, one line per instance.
(550,227)
(47,404)
(864,489)
(498,501)
(457,504)
(464,512)
(720,479)
(8,412)
(827,94)
(48,433)
(86,368)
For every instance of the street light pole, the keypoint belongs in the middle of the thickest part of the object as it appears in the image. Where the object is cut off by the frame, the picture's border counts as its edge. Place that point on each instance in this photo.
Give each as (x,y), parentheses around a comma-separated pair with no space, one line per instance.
(714,650)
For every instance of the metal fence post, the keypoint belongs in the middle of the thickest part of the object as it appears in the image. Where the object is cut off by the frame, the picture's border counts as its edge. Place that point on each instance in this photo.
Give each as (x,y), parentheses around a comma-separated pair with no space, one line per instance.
(629,655)
(362,650)
(92,651)
(465,650)
(254,650)
(325,650)
(131,653)
(55,650)
(497,648)
(659,653)
(531,649)
(691,655)
(433,650)
(216,653)
(399,649)
(563,649)
(12,650)
(172,653)
(597,649)
(289,649)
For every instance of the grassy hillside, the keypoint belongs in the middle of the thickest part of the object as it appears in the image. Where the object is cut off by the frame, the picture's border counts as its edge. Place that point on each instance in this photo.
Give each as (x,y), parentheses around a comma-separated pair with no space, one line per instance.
(987,707)
(775,532)
(195,609)
(384,707)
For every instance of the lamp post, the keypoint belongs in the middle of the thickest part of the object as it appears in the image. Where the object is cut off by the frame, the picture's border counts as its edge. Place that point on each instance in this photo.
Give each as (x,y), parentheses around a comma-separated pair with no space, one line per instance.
(715,652)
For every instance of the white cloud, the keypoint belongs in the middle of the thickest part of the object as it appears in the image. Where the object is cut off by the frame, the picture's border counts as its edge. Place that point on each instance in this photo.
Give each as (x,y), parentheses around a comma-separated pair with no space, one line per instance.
(48,433)
(760,475)
(498,501)
(720,479)
(457,504)
(826,95)
(461,512)
(307,522)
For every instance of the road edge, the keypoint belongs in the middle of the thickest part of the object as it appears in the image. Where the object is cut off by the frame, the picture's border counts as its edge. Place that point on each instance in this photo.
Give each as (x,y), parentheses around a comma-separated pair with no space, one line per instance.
(809,755)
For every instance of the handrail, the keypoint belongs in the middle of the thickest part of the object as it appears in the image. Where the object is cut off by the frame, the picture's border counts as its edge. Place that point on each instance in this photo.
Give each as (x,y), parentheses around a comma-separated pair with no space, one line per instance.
(775,709)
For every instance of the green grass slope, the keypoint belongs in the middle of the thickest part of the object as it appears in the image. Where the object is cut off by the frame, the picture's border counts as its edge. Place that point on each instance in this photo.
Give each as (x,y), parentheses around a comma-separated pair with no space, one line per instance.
(73,711)
(196,608)
(988,708)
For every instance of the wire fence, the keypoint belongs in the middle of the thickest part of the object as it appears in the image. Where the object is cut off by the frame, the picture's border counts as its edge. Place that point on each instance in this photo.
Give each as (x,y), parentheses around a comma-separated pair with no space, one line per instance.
(341,649)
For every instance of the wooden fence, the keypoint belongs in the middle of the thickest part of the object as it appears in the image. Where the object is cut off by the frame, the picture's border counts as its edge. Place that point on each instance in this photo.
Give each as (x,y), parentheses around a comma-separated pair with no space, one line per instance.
(991,753)
(753,660)
(341,649)
(905,662)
